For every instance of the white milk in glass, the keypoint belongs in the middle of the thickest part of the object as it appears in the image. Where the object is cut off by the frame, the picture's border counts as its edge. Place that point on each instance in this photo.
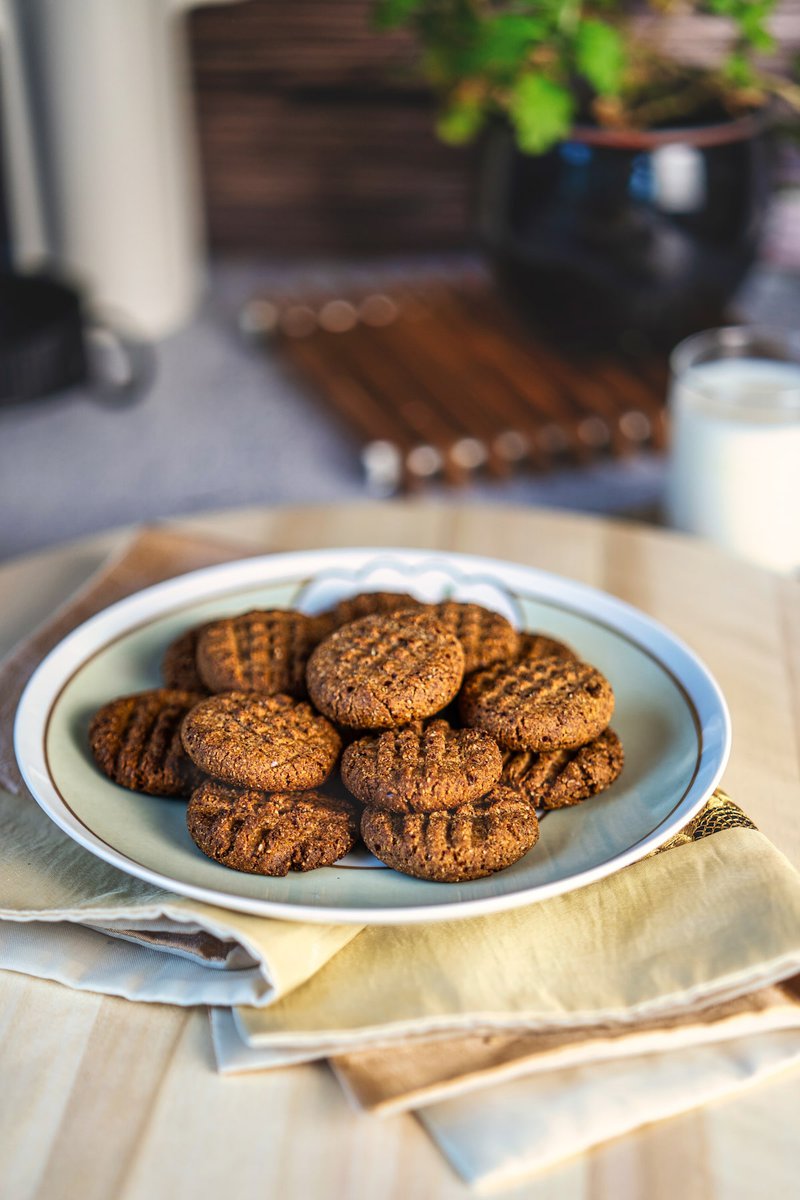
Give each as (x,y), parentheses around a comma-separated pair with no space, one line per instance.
(735,464)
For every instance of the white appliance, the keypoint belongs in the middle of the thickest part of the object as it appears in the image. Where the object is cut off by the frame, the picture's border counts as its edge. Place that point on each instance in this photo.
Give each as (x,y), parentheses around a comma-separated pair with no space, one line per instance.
(101,157)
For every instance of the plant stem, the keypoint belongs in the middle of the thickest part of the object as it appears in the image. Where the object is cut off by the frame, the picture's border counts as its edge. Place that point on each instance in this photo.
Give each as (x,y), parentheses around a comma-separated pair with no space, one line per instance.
(677,104)
(785,88)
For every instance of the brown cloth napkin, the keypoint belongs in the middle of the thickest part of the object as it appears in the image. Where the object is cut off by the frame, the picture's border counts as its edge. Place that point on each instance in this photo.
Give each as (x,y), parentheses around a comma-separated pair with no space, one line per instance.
(152,555)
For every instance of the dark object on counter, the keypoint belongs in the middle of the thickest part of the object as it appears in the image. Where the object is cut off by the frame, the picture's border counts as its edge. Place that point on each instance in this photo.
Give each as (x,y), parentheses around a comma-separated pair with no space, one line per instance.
(42,347)
(439,379)
(41,337)
(627,237)
(48,344)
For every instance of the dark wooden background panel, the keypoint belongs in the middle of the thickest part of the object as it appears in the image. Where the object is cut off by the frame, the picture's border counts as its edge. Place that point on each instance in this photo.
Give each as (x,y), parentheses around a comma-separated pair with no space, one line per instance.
(297,43)
(315,136)
(289,175)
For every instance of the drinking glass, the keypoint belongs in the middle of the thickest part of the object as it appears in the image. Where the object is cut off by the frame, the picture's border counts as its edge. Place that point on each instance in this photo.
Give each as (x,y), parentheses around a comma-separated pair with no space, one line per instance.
(734,466)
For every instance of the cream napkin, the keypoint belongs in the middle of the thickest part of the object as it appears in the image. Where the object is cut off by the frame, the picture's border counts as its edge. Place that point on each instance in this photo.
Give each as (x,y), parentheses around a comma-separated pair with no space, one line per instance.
(700,924)
(67,916)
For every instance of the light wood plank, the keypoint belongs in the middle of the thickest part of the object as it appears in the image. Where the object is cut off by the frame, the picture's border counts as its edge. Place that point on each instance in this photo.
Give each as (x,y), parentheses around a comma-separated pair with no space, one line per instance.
(288,1132)
(126,1058)
(753,1140)
(44,1029)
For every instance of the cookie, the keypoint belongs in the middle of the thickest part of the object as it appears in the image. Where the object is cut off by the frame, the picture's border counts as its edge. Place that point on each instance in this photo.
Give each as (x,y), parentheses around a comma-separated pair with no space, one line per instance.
(557,778)
(265,650)
(384,671)
(486,637)
(353,608)
(270,834)
(538,704)
(455,844)
(179,664)
(272,743)
(540,645)
(136,742)
(421,769)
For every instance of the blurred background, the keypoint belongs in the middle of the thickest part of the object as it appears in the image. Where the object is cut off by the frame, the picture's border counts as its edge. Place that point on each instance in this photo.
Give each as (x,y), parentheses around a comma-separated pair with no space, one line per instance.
(262,252)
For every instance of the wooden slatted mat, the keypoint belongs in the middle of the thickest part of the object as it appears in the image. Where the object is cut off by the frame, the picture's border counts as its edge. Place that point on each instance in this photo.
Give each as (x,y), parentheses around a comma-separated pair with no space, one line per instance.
(441,380)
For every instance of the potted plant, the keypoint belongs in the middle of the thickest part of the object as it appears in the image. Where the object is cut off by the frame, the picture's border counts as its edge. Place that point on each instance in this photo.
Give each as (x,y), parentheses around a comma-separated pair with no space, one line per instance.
(624,186)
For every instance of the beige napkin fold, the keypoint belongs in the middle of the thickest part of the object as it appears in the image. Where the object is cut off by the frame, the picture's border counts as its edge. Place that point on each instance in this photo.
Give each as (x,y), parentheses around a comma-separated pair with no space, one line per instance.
(704,923)
(412,1076)
(66,915)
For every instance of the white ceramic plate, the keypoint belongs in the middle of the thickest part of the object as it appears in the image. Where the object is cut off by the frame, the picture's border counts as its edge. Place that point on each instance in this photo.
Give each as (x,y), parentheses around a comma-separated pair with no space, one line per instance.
(670,715)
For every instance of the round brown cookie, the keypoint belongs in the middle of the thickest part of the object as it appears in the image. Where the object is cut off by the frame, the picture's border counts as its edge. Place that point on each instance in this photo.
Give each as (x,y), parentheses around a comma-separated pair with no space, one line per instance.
(179,664)
(486,637)
(538,704)
(265,650)
(136,741)
(384,671)
(272,743)
(270,834)
(454,844)
(421,769)
(557,778)
(353,608)
(539,645)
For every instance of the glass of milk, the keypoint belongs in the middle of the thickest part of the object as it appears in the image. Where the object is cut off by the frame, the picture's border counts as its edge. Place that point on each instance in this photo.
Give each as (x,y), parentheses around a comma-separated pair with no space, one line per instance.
(734,466)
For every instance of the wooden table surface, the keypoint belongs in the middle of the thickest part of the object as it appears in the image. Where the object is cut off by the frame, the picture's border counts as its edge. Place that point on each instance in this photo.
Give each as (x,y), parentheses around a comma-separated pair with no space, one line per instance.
(100,1097)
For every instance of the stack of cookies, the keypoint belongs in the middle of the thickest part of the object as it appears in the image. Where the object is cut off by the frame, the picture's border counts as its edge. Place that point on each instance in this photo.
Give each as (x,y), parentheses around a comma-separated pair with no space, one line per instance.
(456,729)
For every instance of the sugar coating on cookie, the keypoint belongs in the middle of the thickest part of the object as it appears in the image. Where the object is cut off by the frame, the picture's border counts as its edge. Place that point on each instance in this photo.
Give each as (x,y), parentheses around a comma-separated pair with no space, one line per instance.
(136,741)
(383,671)
(422,768)
(272,743)
(557,778)
(457,844)
(486,637)
(538,704)
(265,650)
(271,833)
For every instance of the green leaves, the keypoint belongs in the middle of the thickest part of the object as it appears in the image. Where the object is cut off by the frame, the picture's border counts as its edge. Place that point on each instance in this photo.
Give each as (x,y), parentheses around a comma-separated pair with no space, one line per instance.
(738,70)
(491,48)
(540,62)
(750,17)
(505,39)
(541,111)
(391,13)
(460,121)
(752,22)
(600,56)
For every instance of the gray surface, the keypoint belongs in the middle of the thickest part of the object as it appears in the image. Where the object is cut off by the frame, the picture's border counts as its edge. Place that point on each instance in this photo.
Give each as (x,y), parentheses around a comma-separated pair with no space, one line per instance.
(223,425)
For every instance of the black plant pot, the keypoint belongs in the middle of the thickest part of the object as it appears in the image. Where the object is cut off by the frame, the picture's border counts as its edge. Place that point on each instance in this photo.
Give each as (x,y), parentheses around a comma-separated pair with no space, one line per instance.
(630,238)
